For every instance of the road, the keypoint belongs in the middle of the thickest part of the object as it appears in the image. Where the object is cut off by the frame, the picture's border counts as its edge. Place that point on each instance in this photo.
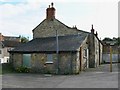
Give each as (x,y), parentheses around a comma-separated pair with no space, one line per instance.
(91,78)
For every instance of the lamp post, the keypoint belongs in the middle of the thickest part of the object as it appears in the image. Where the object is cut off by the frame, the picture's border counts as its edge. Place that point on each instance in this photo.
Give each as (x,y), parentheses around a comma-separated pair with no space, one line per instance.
(110,58)
(57,51)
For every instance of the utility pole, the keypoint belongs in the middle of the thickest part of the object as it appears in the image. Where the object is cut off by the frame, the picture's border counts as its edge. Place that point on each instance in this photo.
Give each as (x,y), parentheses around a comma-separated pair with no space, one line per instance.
(110,58)
(57,51)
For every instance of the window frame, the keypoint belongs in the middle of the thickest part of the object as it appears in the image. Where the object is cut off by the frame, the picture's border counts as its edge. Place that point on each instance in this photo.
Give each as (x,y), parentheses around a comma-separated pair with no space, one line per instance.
(85,53)
(49,59)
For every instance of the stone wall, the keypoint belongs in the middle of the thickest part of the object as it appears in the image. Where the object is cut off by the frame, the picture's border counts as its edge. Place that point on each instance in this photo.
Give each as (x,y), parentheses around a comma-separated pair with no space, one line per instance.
(91,51)
(84,55)
(67,63)
(101,53)
(95,51)
(48,29)
(16,60)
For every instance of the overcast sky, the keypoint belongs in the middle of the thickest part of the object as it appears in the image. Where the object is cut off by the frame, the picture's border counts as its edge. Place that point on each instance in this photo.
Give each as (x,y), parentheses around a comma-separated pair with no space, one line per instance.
(20,17)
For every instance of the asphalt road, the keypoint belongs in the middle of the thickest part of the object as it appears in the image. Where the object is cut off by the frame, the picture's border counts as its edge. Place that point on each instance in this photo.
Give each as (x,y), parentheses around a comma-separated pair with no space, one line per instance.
(91,78)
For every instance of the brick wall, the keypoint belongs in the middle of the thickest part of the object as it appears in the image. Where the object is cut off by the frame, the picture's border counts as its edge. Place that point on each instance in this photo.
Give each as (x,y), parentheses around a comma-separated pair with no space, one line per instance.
(1,37)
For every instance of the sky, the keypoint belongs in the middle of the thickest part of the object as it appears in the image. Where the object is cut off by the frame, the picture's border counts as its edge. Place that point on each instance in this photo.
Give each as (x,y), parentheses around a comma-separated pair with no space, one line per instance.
(20,17)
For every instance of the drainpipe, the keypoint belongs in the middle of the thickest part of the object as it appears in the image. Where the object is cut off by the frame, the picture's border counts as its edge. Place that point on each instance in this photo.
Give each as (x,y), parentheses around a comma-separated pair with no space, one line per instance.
(57,51)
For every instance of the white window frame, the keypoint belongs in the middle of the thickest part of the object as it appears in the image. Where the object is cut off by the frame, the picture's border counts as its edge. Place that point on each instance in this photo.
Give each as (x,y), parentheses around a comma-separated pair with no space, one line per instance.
(85,53)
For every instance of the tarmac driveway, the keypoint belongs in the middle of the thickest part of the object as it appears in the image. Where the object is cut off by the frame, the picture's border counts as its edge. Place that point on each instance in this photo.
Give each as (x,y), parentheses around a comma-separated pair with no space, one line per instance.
(91,78)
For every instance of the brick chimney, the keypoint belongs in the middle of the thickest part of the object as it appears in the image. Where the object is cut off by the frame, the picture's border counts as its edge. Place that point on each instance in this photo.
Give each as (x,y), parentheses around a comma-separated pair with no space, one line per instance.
(1,37)
(50,12)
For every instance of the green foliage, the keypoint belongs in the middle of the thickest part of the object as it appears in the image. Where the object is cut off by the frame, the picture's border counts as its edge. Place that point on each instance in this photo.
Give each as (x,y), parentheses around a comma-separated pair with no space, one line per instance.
(23,69)
(66,72)
(47,72)
(107,39)
(24,39)
(116,40)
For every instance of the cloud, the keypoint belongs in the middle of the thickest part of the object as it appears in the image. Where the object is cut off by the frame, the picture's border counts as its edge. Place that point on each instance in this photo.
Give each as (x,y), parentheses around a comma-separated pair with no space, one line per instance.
(19,19)
(8,10)
(6,0)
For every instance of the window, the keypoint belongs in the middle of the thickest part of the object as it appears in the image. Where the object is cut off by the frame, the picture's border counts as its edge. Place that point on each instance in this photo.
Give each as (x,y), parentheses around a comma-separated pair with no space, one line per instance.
(85,53)
(7,60)
(49,58)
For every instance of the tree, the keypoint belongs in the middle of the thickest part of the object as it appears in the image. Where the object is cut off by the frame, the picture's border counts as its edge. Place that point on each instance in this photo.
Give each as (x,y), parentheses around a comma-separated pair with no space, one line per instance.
(118,41)
(24,39)
(107,39)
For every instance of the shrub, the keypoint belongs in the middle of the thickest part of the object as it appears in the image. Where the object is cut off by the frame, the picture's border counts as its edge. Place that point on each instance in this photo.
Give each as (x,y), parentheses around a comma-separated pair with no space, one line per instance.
(23,69)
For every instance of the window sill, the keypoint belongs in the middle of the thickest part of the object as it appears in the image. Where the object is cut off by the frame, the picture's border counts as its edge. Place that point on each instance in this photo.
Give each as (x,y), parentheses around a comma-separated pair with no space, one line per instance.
(49,62)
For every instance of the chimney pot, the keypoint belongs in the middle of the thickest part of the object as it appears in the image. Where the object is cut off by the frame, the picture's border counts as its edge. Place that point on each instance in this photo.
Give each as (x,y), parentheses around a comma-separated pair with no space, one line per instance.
(92,30)
(52,4)
(96,34)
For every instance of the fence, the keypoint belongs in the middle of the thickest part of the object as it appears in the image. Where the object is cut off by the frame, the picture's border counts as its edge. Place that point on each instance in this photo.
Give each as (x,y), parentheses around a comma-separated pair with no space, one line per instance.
(115,58)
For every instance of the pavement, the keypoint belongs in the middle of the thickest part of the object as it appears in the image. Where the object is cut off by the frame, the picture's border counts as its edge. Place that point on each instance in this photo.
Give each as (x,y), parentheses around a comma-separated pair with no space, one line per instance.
(91,78)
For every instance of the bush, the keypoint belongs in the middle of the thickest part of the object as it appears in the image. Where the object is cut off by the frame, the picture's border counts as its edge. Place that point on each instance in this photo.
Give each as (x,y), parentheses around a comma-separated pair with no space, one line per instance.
(23,69)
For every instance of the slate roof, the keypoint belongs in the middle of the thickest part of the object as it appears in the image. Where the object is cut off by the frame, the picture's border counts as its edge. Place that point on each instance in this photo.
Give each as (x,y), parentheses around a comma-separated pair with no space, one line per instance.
(8,43)
(48,44)
(11,38)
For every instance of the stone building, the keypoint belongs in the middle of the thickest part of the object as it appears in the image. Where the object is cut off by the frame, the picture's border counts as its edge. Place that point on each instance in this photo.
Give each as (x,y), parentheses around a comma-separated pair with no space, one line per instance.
(7,43)
(57,48)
